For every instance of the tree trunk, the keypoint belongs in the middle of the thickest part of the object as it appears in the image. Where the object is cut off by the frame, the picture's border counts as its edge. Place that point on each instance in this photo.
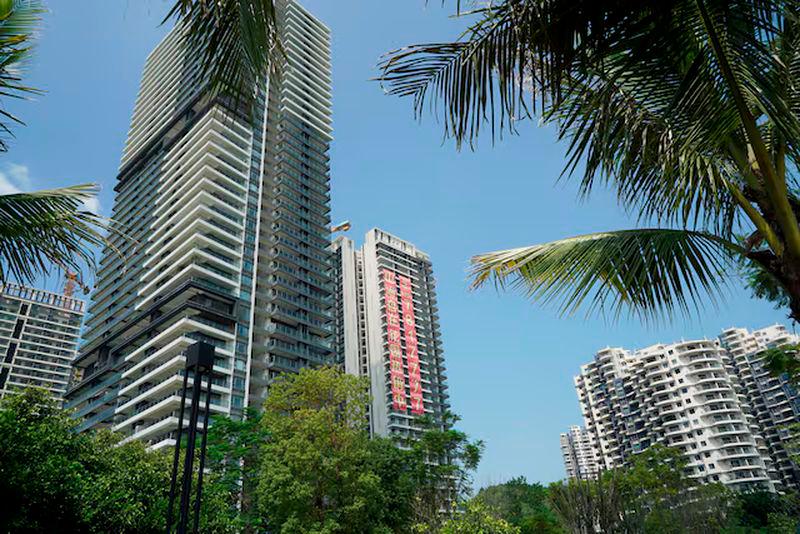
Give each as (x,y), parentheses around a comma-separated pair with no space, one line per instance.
(792,283)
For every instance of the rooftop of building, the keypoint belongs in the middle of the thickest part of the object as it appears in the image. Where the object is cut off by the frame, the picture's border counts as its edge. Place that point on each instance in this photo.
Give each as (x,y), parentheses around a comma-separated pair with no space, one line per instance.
(40,296)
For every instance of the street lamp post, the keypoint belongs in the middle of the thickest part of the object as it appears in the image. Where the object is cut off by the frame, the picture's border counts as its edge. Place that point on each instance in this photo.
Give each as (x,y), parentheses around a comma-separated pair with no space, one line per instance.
(200,363)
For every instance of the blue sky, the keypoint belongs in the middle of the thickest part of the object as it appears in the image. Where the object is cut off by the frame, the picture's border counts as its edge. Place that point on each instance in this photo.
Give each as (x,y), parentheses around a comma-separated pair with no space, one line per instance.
(510,362)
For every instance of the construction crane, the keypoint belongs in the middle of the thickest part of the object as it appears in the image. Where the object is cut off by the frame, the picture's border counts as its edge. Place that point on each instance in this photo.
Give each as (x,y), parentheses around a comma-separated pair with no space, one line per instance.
(72,281)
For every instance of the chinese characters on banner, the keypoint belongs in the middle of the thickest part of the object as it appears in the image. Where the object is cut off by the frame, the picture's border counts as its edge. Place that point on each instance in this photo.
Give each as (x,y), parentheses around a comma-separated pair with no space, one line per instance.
(395,350)
(412,351)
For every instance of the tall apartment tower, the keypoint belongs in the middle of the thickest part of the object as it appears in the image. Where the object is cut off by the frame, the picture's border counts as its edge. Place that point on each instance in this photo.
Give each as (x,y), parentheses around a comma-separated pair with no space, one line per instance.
(39,333)
(386,327)
(577,449)
(684,395)
(223,233)
(773,402)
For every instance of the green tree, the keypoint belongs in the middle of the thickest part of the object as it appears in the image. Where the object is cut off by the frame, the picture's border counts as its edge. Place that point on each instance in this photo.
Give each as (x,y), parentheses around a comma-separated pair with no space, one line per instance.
(444,459)
(41,463)
(319,471)
(233,455)
(781,361)
(760,511)
(687,108)
(651,495)
(476,518)
(56,480)
(522,504)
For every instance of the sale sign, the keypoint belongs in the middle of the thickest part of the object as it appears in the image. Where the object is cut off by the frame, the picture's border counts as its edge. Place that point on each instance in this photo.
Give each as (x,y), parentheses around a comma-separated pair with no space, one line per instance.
(396,375)
(412,345)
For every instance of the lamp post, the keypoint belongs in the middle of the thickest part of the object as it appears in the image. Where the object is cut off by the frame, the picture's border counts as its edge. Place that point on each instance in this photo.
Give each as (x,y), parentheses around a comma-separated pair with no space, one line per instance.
(200,363)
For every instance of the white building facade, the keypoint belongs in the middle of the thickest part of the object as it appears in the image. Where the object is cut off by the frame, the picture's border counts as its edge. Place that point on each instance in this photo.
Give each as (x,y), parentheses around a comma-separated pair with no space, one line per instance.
(39,334)
(223,226)
(386,327)
(683,395)
(577,450)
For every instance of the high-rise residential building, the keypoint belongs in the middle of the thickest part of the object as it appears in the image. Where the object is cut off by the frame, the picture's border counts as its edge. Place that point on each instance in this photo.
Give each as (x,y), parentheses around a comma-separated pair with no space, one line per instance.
(386,327)
(773,401)
(39,333)
(222,226)
(578,453)
(684,395)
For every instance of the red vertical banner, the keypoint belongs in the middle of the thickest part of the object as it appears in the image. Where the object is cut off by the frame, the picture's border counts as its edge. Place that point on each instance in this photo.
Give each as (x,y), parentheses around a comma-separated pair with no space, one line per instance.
(396,374)
(412,345)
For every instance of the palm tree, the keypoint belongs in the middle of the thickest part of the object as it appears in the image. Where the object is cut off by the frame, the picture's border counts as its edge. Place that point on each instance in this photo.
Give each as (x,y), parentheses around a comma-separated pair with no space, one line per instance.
(238,39)
(47,229)
(19,20)
(689,109)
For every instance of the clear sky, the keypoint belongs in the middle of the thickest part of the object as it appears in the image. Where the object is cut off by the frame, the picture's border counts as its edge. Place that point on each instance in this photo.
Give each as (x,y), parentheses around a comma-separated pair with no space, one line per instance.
(510,363)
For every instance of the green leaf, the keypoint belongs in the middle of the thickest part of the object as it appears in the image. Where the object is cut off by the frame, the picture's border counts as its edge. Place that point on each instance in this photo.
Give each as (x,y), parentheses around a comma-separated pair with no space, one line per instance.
(651,272)
(47,229)
(239,42)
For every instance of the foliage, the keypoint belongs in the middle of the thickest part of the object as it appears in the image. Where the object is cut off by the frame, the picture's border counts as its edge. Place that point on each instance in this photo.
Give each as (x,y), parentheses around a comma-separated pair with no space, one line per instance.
(522,504)
(614,270)
(651,495)
(19,21)
(477,519)
(687,108)
(233,454)
(56,480)
(238,40)
(44,229)
(783,361)
(444,459)
(764,511)
(41,463)
(319,471)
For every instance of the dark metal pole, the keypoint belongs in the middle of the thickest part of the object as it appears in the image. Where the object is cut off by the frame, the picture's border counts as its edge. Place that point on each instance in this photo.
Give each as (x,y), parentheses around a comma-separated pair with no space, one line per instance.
(188,460)
(176,457)
(202,459)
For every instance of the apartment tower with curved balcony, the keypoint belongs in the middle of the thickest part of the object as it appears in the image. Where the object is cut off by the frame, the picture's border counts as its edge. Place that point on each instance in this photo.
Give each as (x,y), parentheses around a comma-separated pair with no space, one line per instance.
(221,227)
(773,401)
(683,395)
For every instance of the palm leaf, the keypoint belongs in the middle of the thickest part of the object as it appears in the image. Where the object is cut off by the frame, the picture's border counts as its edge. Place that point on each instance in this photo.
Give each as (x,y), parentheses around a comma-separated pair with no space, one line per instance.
(44,229)
(651,272)
(635,88)
(238,42)
(19,20)
(465,81)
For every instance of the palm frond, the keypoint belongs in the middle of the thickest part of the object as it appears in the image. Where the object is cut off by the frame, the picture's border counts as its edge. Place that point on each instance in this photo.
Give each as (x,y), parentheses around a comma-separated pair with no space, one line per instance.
(18,24)
(238,40)
(43,230)
(635,88)
(651,272)
(463,82)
